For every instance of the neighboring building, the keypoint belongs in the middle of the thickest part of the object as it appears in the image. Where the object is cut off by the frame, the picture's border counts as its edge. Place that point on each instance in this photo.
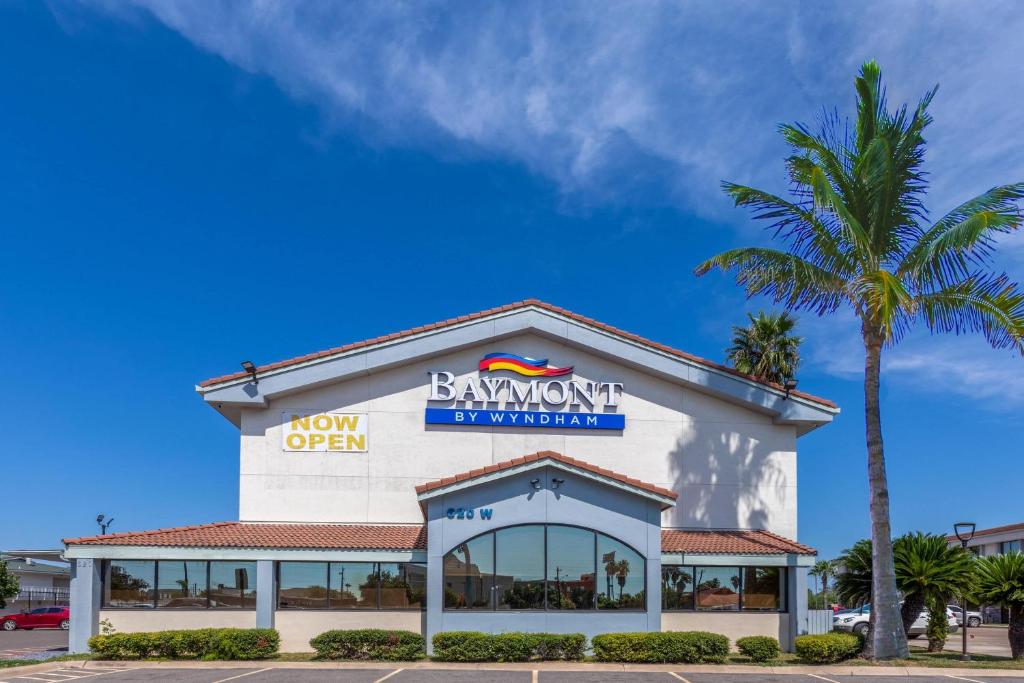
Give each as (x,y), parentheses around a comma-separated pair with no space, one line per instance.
(994,541)
(38,576)
(448,477)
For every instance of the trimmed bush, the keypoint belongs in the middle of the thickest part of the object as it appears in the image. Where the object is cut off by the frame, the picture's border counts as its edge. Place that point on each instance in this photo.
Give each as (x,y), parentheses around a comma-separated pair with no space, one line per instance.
(203,643)
(827,648)
(688,647)
(759,648)
(474,646)
(369,643)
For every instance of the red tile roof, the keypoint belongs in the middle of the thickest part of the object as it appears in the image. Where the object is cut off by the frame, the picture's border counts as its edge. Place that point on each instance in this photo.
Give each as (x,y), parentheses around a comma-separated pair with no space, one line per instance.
(501,309)
(545,455)
(410,537)
(730,542)
(249,535)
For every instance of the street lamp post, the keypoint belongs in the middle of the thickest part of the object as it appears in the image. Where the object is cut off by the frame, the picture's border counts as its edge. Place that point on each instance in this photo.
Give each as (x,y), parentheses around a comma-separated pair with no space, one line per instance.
(965,532)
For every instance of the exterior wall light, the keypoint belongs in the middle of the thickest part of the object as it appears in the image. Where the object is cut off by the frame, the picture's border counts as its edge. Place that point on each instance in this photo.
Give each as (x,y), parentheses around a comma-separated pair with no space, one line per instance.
(248,366)
(535,483)
(789,385)
(556,482)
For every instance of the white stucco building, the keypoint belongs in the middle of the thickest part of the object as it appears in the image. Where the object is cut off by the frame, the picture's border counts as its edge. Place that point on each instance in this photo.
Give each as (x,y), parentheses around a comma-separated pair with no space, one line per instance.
(521,468)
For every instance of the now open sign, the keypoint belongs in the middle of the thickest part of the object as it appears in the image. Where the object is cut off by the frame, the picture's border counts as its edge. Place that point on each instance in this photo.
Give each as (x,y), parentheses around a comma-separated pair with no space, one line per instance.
(341,432)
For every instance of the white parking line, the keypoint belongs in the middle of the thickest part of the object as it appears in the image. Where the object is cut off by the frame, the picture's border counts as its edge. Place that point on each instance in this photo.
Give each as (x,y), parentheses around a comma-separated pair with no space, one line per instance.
(961,678)
(384,678)
(822,678)
(534,675)
(675,675)
(247,673)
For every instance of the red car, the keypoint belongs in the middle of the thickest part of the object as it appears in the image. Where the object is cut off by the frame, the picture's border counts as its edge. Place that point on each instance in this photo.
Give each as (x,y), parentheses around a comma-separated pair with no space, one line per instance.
(40,617)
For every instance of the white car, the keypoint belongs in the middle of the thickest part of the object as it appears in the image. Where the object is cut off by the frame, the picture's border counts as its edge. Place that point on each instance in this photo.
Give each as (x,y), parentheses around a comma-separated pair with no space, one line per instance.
(859,621)
(973,618)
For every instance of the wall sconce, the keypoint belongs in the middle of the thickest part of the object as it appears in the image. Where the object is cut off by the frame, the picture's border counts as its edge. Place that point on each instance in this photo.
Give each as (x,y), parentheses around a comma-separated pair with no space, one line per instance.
(556,482)
(535,483)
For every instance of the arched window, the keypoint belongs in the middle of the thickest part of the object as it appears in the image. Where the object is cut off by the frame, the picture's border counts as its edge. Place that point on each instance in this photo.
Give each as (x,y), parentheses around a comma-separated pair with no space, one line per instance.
(544,567)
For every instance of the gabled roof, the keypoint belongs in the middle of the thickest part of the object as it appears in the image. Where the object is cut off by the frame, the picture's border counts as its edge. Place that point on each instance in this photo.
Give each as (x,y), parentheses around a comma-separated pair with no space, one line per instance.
(730,542)
(229,393)
(411,537)
(542,459)
(291,536)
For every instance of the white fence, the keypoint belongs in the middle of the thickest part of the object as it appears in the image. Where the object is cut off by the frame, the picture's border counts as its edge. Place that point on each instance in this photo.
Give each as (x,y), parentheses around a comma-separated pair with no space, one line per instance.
(819,620)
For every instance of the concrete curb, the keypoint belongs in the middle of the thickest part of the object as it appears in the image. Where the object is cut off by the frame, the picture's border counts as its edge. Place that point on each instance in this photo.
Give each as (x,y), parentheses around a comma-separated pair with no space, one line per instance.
(890,671)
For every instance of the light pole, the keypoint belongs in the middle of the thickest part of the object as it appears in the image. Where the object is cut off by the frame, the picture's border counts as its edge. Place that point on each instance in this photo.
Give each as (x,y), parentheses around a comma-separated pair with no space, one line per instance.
(965,532)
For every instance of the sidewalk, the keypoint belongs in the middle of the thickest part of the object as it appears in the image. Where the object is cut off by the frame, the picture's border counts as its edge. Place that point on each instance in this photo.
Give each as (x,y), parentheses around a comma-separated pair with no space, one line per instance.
(835,670)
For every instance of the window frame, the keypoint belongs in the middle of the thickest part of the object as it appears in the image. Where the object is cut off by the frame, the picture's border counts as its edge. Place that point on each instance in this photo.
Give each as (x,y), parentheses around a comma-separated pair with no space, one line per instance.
(741,609)
(105,570)
(376,574)
(593,609)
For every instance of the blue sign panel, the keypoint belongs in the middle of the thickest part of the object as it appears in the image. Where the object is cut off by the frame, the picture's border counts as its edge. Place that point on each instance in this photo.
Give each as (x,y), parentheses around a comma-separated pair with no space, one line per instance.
(523,418)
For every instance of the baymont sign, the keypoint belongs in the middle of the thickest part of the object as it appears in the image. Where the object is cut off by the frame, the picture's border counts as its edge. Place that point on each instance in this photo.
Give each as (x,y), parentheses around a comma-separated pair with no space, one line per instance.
(498,401)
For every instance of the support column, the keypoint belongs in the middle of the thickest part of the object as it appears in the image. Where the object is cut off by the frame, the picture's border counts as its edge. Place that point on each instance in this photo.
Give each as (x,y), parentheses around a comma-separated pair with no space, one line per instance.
(85,604)
(266,593)
(796,594)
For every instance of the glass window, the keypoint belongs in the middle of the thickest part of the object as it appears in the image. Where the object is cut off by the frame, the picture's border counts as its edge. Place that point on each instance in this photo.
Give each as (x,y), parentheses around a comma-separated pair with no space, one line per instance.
(469,574)
(622,575)
(570,568)
(1011,547)
(402,585)
(353,585)
(181,584)
(233,584)
(676,587)
(519,576)
(763,588)
(302,585)
(129,583)
(718,588)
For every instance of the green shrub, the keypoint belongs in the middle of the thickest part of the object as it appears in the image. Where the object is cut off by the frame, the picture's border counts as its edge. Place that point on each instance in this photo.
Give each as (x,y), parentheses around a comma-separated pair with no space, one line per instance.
(474,646)
(827,648)
(689,647)
(759,648)
(368,643)
(204,643)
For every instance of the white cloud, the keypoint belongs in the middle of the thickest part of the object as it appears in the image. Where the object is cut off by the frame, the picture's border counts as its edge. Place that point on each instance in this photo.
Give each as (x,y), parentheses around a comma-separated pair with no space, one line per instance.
(590,95)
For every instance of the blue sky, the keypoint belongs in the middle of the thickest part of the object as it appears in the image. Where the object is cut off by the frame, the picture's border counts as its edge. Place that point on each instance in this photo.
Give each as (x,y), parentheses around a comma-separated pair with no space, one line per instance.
(187,185)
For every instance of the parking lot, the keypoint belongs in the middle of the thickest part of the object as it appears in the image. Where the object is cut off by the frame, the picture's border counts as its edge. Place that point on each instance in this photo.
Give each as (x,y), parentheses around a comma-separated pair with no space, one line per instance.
(22,644)
(130,674)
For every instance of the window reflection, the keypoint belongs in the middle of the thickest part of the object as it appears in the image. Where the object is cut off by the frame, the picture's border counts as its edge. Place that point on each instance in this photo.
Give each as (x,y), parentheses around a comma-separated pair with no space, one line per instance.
(402,586)
(519,577)
(718,588)
(354,585)
(570,568)
(129,583)
(622,575)
(762,588)
(233,584)
(677,587)
(181,584)
(469,574)
(302,584)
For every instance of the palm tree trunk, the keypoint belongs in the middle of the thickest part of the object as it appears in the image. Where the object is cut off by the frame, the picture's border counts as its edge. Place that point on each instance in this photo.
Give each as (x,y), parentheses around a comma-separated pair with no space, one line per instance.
(1016,631)
(888,639)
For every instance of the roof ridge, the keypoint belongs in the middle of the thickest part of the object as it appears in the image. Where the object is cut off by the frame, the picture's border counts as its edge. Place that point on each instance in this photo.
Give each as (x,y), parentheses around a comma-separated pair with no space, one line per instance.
(536,457)
(509,307)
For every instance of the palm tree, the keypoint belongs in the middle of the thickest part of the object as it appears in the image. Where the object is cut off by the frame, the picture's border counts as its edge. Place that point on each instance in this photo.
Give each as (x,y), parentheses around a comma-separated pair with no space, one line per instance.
(857,235)
(1000,581)
(766,348)
(823,569)
(926,568)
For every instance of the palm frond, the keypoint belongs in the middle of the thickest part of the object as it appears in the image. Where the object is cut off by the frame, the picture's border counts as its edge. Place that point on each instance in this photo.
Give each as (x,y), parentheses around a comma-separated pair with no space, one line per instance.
(784,277)
(964,237)
(888,301)
(990,304)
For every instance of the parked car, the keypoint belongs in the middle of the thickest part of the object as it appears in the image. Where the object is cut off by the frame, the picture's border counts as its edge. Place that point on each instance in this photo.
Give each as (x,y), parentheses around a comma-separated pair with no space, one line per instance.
(40,617)
(973,618)
(859,621)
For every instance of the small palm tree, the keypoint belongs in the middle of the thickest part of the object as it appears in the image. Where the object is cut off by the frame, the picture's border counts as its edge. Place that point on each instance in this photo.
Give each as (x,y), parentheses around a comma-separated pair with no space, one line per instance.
(1000,581)
(858,236)
(927,570)
(766,348)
